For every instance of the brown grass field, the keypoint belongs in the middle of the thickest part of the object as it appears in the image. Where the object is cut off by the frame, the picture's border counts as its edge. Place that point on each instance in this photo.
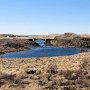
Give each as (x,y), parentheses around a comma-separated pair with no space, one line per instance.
(49,73)
(85,35)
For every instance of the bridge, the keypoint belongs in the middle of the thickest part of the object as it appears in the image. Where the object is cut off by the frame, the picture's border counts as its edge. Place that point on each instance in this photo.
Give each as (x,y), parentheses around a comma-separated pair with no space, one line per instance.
(41,38)
(33,37)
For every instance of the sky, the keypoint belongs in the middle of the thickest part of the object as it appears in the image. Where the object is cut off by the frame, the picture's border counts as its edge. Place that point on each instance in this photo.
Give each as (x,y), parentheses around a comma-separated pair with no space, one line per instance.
(38,17)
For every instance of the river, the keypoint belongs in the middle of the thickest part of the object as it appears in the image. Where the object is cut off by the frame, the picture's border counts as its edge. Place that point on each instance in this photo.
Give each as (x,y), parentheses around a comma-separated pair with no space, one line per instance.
(42,51)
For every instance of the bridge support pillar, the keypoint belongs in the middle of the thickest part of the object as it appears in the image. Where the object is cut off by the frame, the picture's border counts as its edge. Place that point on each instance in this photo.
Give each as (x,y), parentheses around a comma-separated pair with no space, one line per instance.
(33,40)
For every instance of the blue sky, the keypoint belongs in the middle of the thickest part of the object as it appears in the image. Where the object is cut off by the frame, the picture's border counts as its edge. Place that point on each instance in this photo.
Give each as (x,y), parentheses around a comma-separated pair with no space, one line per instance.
(44,16)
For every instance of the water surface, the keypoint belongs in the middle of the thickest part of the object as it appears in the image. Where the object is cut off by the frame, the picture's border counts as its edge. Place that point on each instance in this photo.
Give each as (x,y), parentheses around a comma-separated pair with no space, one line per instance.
(43,51)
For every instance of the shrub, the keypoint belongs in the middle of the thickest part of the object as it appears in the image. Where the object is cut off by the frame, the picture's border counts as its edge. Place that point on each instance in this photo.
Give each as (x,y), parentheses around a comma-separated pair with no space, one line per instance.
(52,68)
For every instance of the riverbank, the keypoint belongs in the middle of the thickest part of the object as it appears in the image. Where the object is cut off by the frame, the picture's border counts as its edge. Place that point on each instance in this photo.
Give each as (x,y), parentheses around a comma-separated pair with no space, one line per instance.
(12,45)
(70,40)
(49,73)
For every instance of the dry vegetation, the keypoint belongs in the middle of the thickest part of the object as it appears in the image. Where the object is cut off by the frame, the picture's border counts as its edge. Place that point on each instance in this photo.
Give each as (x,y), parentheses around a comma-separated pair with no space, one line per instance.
(50,73)
(85,35)
(70,40)
(10,45)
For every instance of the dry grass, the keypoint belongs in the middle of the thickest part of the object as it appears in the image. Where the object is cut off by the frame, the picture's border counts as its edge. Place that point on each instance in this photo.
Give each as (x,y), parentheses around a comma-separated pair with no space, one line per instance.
(50,73)
(11,45)
(85,35)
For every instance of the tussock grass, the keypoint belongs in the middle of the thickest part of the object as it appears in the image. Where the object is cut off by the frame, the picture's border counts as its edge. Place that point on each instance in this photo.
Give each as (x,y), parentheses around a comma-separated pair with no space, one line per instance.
(49,73)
